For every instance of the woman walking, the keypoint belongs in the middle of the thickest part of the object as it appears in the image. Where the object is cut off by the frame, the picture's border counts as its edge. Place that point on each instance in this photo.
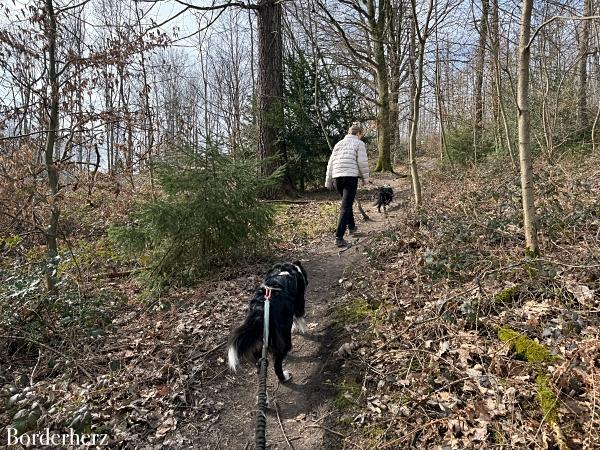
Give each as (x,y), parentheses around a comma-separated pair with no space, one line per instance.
(348,162)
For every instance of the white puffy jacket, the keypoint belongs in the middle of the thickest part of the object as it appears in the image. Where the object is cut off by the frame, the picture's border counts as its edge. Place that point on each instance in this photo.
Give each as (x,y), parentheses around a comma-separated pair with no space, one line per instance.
(348,159)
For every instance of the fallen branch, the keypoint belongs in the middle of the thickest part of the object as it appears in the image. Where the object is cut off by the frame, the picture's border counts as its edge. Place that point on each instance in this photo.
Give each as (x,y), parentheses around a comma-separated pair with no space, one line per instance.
(47,347)
(362,211)
(113,275)
(281,425)
(293,202)
(337,433)
(207,352)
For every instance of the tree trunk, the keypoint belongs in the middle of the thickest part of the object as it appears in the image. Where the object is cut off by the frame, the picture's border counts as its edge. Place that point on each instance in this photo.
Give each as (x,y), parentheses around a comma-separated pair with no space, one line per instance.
(584,38)
(51,233)
(384,161)
(417,73)
(529,216)
(493,33)
(412,147)
(479,67)
(394,109)
(395,14)
(378,26)
(270,85)
(440,101)
(412,85)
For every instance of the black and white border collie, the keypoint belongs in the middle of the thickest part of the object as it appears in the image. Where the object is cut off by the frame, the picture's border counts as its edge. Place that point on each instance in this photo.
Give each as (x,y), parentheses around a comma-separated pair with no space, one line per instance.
(286,312)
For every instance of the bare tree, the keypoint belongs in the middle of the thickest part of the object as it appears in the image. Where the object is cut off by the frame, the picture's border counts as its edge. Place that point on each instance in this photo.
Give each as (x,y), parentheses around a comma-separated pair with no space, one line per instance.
(420,33)
(583,49)
(364,29)
(50,33)
(497,94)
(529,215)
(439,97)
(479,73)
(397,49)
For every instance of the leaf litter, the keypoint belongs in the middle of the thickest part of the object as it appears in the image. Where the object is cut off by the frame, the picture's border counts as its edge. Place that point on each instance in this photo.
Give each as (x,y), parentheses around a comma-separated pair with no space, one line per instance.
(447,280)
(435,289)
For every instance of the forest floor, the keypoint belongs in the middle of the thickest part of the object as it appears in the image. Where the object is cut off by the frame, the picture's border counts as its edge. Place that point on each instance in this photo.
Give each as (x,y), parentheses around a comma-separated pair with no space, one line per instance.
(302,414)
(432,331)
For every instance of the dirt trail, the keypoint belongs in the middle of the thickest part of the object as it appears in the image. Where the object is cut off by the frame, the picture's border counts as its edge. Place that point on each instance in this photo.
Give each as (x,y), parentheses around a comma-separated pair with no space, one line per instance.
(305,404)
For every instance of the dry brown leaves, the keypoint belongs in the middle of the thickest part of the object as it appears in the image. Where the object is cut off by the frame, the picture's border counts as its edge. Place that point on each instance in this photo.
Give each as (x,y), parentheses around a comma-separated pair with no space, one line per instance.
(156,372)
(436,374)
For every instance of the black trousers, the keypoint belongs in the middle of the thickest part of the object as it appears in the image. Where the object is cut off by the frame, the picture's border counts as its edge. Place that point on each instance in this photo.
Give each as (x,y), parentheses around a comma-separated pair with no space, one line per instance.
(347,187)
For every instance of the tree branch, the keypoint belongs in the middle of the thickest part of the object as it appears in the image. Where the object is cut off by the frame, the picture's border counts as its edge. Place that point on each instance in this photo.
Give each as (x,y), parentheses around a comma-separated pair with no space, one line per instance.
(555,18)
(215,7)
(342,33)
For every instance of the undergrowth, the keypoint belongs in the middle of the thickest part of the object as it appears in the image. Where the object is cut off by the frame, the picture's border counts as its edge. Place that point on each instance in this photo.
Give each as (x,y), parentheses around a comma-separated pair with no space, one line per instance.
(457,285)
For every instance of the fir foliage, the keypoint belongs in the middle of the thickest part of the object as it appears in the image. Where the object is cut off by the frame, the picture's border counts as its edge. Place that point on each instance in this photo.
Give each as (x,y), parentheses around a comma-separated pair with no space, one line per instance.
(306,123)
(209,215)
(460,145)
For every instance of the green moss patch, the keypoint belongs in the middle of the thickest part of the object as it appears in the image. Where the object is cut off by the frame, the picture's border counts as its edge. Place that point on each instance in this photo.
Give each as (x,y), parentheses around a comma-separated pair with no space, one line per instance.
(546,398)
(372,435)
(525,348)
(508,296)
(347,393)
(539,356)
(354,312)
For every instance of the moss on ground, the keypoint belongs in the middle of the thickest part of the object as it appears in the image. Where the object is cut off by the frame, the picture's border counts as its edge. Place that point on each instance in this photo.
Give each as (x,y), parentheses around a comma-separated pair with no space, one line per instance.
(508,296)
(546,398)
(372,435)
(525,348)
(354,312)
(347,393)
(540,357)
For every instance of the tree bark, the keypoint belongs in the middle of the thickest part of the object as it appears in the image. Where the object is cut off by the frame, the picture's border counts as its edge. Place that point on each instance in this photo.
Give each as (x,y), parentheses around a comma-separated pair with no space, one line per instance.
(270,85)
(378,27)
(384,161)
(417,73)
(51,233)
(395,19)
(479,68)
(584,38)
(412,85)
(529,215)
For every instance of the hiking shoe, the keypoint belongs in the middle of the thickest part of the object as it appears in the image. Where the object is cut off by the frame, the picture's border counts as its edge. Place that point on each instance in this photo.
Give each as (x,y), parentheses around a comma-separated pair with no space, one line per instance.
(355,233)
(340,242)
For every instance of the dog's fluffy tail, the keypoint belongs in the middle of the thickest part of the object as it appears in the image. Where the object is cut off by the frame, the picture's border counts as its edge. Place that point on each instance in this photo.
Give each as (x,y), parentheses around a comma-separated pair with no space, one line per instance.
(245,341)
(299,325)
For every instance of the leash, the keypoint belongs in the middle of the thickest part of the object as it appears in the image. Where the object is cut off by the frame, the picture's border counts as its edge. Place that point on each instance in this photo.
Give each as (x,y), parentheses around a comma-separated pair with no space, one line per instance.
(261,416)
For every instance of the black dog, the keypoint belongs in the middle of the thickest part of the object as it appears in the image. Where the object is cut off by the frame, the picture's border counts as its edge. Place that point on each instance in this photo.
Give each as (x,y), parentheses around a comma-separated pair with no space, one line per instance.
(384,196)
(288,282)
